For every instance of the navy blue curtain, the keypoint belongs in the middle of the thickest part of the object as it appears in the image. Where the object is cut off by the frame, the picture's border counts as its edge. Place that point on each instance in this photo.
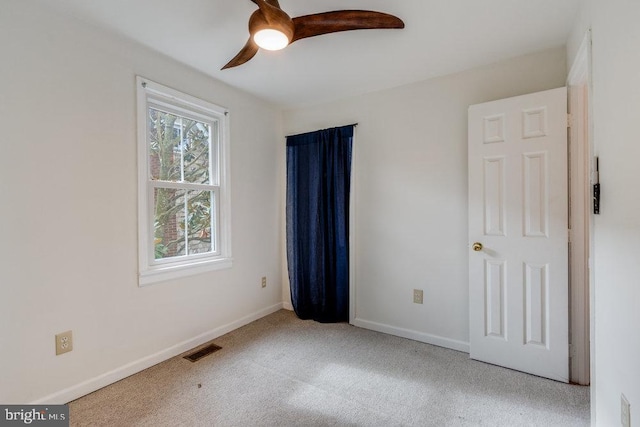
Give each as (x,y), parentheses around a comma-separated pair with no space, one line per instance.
(318,186)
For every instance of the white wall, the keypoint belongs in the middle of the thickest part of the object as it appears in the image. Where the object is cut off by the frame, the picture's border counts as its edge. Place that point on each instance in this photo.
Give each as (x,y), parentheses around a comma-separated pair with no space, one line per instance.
(616,113)
(68,211)
(411,191)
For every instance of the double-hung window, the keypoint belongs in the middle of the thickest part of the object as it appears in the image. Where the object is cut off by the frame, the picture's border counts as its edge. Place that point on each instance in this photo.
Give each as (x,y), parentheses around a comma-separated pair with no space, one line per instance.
(183,184)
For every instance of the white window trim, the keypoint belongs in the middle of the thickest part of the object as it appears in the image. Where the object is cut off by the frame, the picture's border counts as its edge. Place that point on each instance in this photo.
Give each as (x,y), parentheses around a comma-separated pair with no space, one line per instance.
(150,272)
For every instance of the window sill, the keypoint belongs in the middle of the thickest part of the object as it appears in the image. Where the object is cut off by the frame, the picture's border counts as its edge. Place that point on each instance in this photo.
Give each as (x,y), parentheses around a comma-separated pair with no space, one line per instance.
(164,273)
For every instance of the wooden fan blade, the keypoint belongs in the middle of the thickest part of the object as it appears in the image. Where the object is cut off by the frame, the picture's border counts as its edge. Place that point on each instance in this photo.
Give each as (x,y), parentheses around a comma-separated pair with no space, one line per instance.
(342,20)
(248,51)
(271,2)
(271,10)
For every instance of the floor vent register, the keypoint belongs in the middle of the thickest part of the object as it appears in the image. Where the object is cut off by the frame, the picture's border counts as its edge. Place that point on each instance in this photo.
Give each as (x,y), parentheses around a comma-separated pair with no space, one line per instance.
(204,351)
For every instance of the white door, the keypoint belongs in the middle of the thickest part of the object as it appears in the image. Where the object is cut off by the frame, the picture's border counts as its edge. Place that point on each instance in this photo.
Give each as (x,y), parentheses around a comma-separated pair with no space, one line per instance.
(518,279)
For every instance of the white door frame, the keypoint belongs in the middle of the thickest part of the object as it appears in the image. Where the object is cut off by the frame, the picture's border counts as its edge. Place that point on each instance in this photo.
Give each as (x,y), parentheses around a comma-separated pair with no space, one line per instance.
(352,231)
(581,224)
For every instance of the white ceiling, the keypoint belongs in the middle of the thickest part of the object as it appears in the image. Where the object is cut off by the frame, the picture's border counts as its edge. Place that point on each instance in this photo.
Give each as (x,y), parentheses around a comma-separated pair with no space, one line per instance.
(441,37)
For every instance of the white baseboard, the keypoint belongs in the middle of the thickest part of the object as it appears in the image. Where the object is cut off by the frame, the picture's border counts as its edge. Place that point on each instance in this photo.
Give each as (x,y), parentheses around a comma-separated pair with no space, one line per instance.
(71,393)
(287,306)
(413,335)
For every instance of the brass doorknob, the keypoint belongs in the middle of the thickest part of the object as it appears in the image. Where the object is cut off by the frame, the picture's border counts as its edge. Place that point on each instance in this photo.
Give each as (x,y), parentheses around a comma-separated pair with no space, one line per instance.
(477,246)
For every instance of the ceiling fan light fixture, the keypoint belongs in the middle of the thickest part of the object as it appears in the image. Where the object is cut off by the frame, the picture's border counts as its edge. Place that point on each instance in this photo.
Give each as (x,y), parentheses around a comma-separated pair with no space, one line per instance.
(271,39)
(270,27)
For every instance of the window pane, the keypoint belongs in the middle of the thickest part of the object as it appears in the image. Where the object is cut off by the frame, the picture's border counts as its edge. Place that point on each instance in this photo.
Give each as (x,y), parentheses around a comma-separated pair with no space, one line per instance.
(183,226)
(179,148)
(165,134)
(196,151)
(215,144)
(169,223)
(200,233)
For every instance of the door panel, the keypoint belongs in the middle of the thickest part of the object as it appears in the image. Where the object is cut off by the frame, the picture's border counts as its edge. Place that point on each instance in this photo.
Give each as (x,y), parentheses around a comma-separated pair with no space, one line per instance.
(518,202)
(496,313)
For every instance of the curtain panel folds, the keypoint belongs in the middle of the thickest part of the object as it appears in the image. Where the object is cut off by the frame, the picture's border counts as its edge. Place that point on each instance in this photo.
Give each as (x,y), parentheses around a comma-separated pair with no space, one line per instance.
(318,189)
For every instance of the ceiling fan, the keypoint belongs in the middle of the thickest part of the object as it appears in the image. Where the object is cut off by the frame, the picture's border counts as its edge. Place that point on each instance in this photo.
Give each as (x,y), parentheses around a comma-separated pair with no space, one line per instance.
(271,28)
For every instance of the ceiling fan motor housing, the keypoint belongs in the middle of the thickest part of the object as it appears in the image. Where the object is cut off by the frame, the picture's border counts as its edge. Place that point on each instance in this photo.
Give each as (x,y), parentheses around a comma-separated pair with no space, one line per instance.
(277,20)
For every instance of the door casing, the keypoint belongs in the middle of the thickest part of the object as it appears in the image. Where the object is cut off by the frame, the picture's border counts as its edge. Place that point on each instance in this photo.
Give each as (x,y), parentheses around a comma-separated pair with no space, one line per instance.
(580,220)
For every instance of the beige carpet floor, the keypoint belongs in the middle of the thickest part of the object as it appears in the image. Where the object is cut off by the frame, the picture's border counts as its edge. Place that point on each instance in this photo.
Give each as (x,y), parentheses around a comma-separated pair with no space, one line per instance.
(283,371)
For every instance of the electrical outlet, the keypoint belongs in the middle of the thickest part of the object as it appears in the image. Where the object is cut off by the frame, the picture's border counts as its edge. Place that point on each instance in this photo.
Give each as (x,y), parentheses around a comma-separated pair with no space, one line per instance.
(417,296)
(625,411)
(64,343)
(264,282)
